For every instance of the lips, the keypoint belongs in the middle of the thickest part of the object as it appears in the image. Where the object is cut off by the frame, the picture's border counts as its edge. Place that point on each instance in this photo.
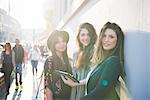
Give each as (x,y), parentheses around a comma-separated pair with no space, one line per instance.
(106,44)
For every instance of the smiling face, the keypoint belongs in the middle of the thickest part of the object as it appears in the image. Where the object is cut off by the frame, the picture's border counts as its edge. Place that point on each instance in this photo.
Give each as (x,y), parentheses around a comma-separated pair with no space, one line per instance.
(61,45)
(109,39)
(84,37)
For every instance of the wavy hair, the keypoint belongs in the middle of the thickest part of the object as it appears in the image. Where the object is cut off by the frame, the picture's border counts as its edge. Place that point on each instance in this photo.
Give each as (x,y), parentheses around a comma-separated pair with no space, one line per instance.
(87,52)
(100,54)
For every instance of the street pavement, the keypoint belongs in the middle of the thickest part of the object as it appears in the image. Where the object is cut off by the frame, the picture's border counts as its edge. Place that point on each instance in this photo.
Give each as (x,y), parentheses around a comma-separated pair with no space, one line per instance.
(32,85)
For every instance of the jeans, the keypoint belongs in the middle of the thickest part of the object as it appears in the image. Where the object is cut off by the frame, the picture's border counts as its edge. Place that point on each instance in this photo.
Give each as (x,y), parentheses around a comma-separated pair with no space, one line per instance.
(18,71)
(34,64)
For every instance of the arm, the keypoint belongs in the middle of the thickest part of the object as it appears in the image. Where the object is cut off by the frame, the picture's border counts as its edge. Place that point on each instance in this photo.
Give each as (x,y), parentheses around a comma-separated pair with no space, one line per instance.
(48,69)
(13,60)
(46,73)
(48,94)
(22,53)
(47,91)
(71,83)
(107,80)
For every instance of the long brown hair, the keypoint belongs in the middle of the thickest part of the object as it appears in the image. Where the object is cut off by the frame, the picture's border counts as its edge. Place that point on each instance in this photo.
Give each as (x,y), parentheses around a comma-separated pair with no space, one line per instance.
(9,46)
(52,40)
(100,54)
(85,54)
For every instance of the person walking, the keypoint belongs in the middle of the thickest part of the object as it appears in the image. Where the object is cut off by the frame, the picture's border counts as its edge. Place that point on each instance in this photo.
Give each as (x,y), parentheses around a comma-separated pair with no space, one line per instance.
(34,57)
(7,65)
(19,59)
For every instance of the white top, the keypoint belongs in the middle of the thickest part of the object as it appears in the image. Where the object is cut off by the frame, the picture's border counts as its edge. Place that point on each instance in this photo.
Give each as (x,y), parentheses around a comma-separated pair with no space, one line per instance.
(35,54)
(88,76)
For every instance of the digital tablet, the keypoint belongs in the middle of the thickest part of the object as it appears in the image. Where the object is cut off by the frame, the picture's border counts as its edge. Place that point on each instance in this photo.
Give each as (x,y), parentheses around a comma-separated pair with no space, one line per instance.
(59,72)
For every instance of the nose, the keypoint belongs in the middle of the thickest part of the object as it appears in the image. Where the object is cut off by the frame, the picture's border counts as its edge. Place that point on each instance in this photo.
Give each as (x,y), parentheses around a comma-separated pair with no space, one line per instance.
(106,38)
(86,37)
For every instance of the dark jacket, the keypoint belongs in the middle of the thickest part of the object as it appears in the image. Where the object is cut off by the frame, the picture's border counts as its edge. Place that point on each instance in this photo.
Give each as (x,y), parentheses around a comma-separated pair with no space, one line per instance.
(19,54)
(103,79)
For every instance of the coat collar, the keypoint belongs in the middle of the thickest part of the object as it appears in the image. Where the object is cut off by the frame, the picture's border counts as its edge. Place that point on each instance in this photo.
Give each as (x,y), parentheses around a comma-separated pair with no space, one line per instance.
(98,66)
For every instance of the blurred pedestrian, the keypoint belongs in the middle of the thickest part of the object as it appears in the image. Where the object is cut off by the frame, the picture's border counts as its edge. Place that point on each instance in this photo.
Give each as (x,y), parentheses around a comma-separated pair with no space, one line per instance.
(34,57)
(7,65)
(19,59)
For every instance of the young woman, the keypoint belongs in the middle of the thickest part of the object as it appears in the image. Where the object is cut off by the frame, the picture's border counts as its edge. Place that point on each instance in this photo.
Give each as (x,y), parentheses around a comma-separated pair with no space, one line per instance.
(54,86)
(108,59)
(35,57)
(86,39)
(7,65)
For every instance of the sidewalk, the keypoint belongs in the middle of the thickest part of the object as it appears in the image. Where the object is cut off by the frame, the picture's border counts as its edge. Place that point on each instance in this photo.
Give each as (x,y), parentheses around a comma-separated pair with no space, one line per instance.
(30,85)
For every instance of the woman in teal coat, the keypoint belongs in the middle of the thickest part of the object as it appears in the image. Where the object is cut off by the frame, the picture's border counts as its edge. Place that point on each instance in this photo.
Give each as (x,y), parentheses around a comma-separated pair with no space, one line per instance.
(108,60)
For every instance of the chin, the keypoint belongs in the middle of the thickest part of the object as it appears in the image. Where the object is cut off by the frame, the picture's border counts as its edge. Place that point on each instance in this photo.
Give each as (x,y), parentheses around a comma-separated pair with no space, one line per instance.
(63,50)
(107,48)
(86,44)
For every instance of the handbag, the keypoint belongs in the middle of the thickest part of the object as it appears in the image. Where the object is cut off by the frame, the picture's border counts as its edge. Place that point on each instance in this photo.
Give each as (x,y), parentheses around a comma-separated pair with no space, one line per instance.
(122,90)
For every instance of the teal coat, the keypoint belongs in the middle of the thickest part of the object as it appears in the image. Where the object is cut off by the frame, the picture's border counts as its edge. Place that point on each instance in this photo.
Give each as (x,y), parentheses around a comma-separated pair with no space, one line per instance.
(103,79)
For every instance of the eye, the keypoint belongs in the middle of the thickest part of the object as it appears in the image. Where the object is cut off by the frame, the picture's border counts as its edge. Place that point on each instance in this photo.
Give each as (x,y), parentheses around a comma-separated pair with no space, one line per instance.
(104,35)
(82,34)
(111,36)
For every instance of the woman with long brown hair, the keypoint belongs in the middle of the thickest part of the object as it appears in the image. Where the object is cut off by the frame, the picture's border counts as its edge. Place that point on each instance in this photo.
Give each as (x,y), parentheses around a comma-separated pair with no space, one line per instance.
(86,39)
(54,86)
(7,65)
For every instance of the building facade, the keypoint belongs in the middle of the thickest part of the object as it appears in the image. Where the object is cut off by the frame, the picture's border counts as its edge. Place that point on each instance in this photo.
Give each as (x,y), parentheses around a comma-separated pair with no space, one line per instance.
(10,28)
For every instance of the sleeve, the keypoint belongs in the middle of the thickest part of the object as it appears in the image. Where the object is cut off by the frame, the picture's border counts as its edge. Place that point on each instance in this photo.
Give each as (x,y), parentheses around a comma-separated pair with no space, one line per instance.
(48,70)
(22,53)
(39,54)
(107,79)
(45,73)
(13,59)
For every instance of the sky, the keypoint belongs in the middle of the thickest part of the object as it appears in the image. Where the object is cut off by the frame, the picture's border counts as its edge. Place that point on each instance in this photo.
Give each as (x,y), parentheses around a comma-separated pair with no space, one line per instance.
(29,13)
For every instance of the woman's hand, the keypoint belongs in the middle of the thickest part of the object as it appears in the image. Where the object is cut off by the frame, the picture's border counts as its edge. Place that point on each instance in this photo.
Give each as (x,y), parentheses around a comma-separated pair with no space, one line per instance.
(70,82)
(48,95)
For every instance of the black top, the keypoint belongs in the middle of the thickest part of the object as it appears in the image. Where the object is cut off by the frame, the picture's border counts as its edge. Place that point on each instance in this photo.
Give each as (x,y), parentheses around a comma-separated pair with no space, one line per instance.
(103,79)
(7,62)
(55,83)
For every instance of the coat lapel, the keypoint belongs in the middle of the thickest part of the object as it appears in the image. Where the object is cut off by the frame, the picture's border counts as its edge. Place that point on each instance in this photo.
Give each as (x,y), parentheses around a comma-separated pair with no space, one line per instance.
(100,66)
(96,69)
